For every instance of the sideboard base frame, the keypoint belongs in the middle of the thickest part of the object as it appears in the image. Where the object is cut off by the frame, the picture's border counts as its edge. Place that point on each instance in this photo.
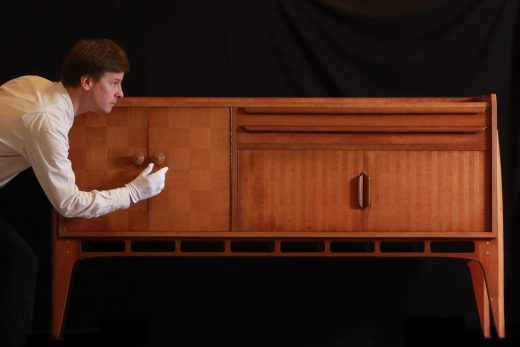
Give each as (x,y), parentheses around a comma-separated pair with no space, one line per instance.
(487,282)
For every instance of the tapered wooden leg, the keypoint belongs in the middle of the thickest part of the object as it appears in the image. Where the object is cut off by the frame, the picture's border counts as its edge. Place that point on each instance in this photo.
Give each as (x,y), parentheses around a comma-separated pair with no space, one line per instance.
(64,257)
(493,267)
(481,296)
(493,255)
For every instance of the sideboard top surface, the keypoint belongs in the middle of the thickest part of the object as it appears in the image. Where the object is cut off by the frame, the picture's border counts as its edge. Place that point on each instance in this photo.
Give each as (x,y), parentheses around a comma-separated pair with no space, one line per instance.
(347,105)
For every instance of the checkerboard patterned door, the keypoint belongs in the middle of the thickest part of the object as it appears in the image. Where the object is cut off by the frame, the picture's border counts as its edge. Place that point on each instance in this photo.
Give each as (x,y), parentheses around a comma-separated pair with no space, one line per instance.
(195,143)
(101,151)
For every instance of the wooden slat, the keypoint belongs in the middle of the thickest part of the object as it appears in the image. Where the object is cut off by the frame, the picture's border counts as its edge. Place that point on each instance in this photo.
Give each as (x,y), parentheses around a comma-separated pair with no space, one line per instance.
(289,235)
(362,129)
(334,140)
(365,120)
(388,107)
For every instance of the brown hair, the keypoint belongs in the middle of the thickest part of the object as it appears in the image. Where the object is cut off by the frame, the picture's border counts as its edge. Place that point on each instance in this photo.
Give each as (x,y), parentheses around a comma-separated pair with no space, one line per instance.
(93,57)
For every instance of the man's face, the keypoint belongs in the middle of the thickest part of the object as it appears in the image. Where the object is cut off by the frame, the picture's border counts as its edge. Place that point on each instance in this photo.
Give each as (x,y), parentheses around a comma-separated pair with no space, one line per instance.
(106,91)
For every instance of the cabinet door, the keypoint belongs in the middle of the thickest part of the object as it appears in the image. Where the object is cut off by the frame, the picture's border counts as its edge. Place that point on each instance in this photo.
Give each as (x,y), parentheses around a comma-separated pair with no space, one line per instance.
(299,190)
(196,145)
(101,150)
(428,191)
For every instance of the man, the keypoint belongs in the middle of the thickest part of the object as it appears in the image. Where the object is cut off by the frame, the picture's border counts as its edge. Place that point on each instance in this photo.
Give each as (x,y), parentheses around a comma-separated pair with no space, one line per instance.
(35,118)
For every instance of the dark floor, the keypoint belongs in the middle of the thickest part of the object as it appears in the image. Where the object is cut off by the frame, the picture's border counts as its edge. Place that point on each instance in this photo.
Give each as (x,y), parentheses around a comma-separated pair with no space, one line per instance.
(438,333)
(271,302)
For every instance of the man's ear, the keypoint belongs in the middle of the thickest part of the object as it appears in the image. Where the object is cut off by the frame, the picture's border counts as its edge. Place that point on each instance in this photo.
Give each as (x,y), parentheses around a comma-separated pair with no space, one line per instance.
(85,82)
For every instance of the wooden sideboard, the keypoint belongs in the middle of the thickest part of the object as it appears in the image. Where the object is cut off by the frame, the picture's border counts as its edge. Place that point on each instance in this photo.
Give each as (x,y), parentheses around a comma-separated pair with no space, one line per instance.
(279,177)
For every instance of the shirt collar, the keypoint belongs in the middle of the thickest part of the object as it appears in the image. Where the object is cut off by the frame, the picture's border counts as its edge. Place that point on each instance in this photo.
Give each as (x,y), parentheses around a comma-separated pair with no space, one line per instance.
(66,101)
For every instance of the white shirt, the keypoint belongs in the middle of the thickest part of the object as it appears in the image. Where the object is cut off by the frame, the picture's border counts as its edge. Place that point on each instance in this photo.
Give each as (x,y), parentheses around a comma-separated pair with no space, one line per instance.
(35,118)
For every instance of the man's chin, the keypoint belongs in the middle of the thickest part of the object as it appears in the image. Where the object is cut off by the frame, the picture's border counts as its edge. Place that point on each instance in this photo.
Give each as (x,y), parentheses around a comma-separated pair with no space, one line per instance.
(107,109)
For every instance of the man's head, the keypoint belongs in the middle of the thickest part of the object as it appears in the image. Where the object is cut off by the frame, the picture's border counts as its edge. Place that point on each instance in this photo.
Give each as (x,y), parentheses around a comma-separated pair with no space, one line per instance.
(93,71)
(94,58)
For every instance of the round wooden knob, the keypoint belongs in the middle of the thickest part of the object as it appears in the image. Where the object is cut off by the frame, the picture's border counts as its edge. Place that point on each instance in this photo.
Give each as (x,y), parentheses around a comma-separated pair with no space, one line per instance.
(138,159)
(158,158)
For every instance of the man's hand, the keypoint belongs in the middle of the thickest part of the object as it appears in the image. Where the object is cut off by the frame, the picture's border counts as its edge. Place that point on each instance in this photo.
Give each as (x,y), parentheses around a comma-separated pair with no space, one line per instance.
(146,185)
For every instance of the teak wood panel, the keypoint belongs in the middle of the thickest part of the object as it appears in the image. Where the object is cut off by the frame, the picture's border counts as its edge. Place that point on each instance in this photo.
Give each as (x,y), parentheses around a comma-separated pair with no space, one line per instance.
(428,191)
(196,145)
(298,190)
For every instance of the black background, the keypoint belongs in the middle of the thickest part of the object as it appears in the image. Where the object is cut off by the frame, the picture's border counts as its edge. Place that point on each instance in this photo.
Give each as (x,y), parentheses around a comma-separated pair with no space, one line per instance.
(281,48)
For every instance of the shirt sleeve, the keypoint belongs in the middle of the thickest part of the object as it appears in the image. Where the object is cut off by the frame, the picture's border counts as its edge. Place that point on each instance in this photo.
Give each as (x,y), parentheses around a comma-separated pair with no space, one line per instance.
(48,154)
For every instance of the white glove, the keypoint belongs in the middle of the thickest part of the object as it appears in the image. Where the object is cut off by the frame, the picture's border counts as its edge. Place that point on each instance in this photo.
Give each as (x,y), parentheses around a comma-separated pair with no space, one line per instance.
(146,185)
